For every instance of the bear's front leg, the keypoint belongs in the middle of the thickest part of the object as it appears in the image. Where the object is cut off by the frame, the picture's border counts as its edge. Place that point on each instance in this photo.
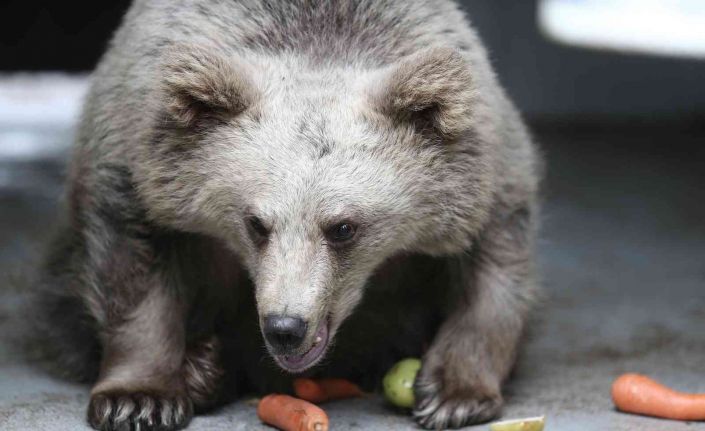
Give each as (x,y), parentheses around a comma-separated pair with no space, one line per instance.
(141,384)
(475,348)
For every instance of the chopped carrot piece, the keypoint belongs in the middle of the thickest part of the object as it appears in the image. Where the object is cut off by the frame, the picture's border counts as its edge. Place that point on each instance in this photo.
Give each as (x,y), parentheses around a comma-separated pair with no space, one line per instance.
(322,390)
(291,414)
(634,393)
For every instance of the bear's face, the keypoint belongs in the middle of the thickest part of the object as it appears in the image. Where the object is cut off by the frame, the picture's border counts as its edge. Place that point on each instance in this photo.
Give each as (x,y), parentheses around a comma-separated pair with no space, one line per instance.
(314,179)
(325,204)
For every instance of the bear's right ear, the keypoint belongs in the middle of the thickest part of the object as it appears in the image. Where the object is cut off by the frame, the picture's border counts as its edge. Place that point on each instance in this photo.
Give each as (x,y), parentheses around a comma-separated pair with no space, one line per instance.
(201,84)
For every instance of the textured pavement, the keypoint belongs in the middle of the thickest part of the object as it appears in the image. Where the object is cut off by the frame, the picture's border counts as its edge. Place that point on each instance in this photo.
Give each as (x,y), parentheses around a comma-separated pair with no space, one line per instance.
(623,263)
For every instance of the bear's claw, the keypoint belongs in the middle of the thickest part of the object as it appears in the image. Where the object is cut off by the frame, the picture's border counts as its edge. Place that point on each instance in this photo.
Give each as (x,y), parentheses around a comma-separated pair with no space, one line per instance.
(436,411)
(139,411)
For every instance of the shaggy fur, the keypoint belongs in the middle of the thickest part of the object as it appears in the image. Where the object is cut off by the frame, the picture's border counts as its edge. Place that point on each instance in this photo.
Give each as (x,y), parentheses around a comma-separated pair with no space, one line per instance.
(222,141)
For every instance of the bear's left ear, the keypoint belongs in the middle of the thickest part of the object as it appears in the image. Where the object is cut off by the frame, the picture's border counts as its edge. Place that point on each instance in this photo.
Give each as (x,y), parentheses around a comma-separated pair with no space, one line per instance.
(201,83)
(431,90)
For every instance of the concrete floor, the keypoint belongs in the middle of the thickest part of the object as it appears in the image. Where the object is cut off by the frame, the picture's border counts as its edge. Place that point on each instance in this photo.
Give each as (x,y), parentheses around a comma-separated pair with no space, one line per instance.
(623,257)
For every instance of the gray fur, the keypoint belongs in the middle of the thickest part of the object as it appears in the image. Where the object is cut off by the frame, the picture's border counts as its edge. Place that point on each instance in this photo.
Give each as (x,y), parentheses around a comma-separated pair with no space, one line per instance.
(206,113)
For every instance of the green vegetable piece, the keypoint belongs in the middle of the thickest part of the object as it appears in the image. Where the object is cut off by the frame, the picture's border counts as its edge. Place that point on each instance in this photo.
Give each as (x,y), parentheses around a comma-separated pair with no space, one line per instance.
(399,382)
(528,424)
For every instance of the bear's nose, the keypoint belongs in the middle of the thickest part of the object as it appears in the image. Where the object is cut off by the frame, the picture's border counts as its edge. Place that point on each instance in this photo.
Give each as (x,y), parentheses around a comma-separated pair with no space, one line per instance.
(284,333)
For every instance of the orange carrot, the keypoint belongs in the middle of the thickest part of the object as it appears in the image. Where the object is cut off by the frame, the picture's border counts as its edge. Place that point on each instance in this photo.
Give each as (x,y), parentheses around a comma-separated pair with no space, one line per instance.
(634,393)
(322,390)
(291,414)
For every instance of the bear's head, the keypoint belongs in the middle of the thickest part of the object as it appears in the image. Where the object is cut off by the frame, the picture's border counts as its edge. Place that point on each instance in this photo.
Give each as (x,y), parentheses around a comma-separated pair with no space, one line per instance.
(314,174)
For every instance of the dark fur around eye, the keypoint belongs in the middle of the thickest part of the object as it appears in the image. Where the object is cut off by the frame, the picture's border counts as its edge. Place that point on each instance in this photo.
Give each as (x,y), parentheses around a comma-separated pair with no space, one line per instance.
(341,233)
(258,231)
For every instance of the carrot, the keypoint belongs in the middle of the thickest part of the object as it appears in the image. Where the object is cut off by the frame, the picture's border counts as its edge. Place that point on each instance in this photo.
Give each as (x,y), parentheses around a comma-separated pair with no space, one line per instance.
(322,390)
(291,414)
(634,393)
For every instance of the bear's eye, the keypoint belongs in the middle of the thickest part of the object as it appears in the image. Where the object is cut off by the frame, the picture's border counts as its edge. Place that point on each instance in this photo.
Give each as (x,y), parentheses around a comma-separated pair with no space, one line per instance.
(258,230)
(341,233)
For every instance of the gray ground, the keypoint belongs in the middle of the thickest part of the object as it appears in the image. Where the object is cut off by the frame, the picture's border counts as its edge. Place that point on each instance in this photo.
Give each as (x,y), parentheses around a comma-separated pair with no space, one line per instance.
(622,252)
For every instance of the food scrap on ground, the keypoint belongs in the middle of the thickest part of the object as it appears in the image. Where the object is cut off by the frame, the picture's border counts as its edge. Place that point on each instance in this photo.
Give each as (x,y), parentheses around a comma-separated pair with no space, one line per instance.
(634,393)
(398,383)
(527,424)
(322,390)
(291,414)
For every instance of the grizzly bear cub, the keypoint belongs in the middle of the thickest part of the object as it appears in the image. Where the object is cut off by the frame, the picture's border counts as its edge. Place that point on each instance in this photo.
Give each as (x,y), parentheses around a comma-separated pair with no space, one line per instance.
(344,182)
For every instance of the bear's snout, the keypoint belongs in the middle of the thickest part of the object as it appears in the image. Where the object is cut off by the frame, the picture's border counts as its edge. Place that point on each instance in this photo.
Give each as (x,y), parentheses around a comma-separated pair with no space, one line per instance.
(284,333)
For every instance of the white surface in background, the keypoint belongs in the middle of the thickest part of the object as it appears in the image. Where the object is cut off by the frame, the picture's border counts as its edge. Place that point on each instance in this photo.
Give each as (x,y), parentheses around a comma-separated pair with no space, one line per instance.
(41,99)
(37,113)
(663,27)
(18,145)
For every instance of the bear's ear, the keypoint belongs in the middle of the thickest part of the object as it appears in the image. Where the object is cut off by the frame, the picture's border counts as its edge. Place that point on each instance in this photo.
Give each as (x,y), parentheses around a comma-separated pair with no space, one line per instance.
(201,84)
(432,90)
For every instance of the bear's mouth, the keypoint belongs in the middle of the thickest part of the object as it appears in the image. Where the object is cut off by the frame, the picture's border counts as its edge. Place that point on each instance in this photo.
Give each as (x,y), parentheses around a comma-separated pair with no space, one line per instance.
(298,363)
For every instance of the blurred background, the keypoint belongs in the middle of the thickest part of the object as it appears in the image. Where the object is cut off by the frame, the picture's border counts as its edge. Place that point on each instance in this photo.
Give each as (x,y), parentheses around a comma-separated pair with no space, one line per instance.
(614,91)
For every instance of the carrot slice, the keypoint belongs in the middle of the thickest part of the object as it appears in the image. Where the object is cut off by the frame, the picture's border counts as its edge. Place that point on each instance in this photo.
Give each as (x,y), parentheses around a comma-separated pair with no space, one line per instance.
(322,390)
(291,414)
(634,393)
